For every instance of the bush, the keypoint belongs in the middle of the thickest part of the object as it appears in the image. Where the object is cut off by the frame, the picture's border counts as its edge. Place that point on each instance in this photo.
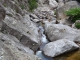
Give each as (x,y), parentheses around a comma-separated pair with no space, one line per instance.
(74,14)
(77,25)
(32,4)
(22,6)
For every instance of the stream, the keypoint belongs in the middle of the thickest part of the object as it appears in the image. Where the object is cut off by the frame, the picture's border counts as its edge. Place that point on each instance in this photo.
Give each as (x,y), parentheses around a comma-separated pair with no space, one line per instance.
(44,41)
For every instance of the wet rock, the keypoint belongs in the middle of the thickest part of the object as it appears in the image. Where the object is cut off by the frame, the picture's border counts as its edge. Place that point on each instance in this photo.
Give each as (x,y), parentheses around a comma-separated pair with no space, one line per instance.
(58,47)
(59,31)
(27,34)
(40,54)
(12,49)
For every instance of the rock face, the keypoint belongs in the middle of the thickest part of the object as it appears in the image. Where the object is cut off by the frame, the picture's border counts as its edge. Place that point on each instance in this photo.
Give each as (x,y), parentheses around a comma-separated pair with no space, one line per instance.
(59,31)
(2,12)
(21,35)
(56,48)
(27,34)
(11,49)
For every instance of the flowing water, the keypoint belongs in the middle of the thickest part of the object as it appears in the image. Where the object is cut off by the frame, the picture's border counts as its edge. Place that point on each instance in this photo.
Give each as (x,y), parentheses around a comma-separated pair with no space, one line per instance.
(44,41)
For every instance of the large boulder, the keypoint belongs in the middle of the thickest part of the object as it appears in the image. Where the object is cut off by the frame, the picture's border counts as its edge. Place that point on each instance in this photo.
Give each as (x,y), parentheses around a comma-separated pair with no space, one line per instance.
(27,34)
(12,49)
(58,47)
(59,31)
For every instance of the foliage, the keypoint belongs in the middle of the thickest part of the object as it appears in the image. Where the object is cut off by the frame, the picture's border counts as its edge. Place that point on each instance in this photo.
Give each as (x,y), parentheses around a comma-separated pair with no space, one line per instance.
(77,25)
(5,5)
(32,4)
(74,14)
(54,12)
(22,6)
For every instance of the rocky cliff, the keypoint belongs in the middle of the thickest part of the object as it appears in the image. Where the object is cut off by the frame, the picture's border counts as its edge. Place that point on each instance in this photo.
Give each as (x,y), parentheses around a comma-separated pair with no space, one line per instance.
(44,28)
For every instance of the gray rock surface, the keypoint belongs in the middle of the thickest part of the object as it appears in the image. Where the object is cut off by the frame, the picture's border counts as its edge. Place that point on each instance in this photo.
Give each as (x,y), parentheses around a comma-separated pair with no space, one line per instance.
(12,49)
(59,31)
(58,47)
(27,34)
(2,12)
(53,4)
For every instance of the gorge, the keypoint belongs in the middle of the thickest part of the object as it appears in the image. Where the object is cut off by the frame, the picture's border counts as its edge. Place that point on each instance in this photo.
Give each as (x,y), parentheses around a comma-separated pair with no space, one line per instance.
(38,30)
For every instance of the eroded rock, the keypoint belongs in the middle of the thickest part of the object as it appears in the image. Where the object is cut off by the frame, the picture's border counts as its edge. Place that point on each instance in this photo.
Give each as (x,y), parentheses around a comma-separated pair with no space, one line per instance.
(27,34)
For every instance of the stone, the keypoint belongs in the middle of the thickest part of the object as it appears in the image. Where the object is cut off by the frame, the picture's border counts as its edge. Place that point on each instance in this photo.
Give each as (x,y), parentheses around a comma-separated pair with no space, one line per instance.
(33,16)
(59,31)
(12,49)
(27,34)
(59,47)
(53,4)
(45,14)
(35,20)
(2,12)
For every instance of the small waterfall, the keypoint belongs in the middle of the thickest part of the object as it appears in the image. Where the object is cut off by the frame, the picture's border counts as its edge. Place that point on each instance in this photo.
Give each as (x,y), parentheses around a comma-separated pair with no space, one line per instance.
(44,41)
(42,37)
(39,54)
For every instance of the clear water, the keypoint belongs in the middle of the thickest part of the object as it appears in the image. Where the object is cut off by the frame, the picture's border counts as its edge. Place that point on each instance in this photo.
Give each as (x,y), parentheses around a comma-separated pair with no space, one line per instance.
(39,54)
(44,41)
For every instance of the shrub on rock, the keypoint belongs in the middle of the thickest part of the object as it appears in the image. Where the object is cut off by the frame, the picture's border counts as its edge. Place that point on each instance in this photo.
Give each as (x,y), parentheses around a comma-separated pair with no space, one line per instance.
(32,4)
(77,24)
(74,14)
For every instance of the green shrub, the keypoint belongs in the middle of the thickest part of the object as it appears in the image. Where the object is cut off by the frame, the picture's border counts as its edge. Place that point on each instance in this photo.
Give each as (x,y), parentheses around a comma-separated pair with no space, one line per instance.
(22,6)
(74,14)
(5,5)
(32,4)
(77,25)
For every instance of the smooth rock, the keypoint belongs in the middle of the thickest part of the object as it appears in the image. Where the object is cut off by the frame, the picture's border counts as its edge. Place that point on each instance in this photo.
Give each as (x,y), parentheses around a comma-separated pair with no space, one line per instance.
(58,47)
(41,55)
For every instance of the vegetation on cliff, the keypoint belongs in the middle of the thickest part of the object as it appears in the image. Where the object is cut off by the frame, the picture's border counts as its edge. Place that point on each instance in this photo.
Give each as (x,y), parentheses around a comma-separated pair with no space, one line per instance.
(74,14)
(32,4)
